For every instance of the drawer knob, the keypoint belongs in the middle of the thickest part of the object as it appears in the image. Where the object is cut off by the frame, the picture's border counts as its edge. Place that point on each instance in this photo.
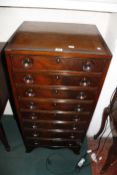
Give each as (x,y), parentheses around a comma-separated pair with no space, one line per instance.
(72,136)
(34,126)
(79,109)
(35,135)
(55,104)
(36,143)
(33,116)
(74,128)
(76,119)
(32,106)
(30,93)
(28,79)
(57,77)
(58,60)
(70,144)
(81,96)
(56,91)
(84,82)
(27,62)
(88,66)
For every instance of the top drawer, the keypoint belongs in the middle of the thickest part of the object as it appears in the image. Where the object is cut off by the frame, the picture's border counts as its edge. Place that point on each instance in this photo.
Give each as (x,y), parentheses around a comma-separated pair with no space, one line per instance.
(42,62)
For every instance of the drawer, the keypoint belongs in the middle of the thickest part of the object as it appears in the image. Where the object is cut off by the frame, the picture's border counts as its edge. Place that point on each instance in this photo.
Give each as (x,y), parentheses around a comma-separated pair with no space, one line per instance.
(45,142)
(62,105)
(55,124)
(54,78)
(44,133)
(75,116)
(42,62)
(59,93)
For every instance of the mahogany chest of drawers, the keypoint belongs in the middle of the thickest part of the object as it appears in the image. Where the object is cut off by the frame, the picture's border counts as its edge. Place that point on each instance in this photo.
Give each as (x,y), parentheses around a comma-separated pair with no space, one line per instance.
(56,72)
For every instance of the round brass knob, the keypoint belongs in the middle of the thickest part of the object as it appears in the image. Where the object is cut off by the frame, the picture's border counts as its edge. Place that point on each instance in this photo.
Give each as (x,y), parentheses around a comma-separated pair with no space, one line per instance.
(56,91)
(70,144)
(76,120)
(27,62)
(55,104)
(84,82)
(30,93)
(78,109)
(58,60)
(36,143)
(33,117)
(28,79)
(74,128)
(57,77)
(35,135)
(81,96)
(88,66)
(72,136)
(32,106)
(34,126)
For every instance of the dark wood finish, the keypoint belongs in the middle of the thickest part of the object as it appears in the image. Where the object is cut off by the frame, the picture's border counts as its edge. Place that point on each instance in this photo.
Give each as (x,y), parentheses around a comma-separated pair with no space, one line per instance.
(57,78)
(56,63)
(3,97)
(56,72)
(54,92)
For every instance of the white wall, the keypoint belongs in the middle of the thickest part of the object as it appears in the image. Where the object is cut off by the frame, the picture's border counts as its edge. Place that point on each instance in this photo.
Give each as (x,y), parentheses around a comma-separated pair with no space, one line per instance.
(11,18)
(111,79)
(89,5)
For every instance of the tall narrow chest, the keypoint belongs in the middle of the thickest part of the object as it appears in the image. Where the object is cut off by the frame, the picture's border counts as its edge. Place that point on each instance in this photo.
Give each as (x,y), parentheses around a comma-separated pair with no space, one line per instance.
(56,73)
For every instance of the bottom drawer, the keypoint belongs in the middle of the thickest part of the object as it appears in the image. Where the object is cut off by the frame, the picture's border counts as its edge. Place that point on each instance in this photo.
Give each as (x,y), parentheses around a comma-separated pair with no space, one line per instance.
(48,142)
(70,134)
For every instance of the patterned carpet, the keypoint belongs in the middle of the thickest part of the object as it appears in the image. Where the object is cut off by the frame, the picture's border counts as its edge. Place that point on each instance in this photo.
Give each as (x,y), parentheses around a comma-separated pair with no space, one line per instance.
(40,161)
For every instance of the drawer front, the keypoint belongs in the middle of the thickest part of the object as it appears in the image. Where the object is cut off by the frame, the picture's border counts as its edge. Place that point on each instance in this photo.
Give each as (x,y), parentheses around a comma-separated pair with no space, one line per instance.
(30,133)
(59,93)
(56,97)
(57,63)
(55,124)
(56,105)
(54,142)
(75,116)
(84,80)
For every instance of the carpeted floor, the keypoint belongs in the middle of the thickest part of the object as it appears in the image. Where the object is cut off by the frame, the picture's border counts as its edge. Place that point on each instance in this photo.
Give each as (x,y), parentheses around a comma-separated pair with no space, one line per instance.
(40,161)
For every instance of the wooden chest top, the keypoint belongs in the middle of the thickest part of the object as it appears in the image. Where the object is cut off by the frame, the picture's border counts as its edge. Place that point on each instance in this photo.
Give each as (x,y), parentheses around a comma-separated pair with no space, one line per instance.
(58,37)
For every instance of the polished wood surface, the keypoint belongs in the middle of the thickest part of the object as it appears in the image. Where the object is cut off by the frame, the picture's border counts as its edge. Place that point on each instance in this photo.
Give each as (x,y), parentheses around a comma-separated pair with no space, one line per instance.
(57,62)
(54,69)
(80,38)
